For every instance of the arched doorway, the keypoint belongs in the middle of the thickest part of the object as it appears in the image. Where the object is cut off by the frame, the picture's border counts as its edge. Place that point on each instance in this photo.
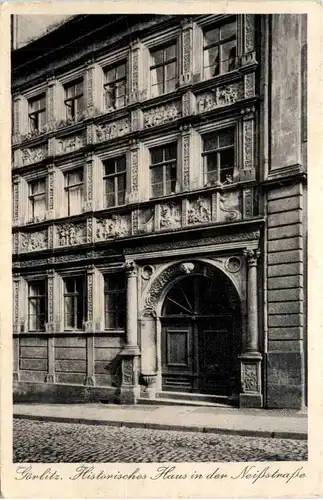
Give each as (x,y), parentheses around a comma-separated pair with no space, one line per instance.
(201,335)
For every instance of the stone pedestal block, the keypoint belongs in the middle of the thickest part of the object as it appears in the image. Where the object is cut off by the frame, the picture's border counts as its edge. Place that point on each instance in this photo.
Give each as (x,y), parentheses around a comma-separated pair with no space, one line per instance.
(251,394)
(130,389)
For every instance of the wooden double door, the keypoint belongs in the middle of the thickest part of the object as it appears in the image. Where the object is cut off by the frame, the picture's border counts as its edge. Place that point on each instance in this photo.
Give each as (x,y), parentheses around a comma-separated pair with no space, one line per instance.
(199,346)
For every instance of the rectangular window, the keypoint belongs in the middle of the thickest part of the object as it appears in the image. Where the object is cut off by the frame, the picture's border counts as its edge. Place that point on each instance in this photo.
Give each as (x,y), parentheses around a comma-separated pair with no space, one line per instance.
(74,302)
(163,69)
(163,171)
(74,191)
(115,181)
(37,112)
(115,86)
(74,102)
(114,301)
(37,199)
(37,299)
(220,49)
(219,156)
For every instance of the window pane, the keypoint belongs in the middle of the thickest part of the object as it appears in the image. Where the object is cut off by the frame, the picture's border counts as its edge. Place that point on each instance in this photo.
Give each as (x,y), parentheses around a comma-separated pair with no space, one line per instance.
(170,52)
(157,57)
(121,182)
(110,199)
(227,158)
(211,162)
(42,118)
(121,71)
(170,172)
(79,106)
(157,81)
(74,177)
(121,197)
(110,167)
(69,311)
(156,155)
(75,200)
(171,152)
(79,312)
(211,36)
(69,285)
(228,30)
(121,164)
(111,75)
(156,175)
(170,85)
(110,96)
(211,62)
(39,205)
(228,56)
(210,142)
(120,89)
(226,138)
(157,190)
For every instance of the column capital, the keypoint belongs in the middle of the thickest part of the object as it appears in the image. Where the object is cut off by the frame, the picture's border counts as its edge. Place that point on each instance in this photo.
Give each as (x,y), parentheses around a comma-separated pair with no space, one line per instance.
(131,269)
(252,256)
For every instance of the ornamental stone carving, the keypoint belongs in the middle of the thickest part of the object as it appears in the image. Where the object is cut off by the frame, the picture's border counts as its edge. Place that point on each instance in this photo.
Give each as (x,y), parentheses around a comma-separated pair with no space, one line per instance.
(249,32)
(112,227)
(221,96)
(33,155)
(146,221)
(111,130)
(199,211)
(162,114)
(250,378)
(71,234)
(32,242)
(229,204)
(127,371)
(69,144)
(170,216)
(248,144)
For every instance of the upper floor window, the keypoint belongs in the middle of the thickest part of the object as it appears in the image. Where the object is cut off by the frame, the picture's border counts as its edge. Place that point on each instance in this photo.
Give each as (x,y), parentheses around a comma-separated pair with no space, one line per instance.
(114,301)
(37,199)
(115,86)
(163,162)
(163,69)
(37,305)
(37,112)
(74,99)
(220,49)
(74,302)
(219,156)
(115,181)
(74,191)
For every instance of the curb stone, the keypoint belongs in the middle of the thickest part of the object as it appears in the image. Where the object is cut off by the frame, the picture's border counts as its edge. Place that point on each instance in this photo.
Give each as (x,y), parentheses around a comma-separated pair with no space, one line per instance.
(168,427)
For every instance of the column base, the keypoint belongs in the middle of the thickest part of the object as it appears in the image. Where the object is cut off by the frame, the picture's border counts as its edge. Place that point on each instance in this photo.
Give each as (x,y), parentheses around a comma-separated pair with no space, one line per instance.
(250,400)
(130,389)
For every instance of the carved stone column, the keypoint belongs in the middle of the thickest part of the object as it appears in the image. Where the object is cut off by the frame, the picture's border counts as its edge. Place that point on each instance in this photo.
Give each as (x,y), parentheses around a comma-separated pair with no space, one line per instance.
(50,326)
(88,178)
(248,124)
(186,52)
(93,85)
(133,185)
(130,388)
(20,117)
(250,358)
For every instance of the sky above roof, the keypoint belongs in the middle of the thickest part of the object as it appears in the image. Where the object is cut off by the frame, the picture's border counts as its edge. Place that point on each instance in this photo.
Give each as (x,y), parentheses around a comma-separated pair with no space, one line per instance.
(29,27)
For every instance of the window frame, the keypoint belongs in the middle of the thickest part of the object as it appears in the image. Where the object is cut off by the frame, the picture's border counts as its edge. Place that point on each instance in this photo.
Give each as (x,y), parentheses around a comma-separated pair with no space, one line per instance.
(33,195)
(120,293)
(34,116)
(68,187)
(219,44)
(164,165)
(113,83)
(217,152)
(78,321)
(75,113)
(115,176)
(163,64)
(37,298)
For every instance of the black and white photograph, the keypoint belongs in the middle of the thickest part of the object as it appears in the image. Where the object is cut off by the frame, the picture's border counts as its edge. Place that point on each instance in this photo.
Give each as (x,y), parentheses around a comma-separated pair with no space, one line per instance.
(159,241)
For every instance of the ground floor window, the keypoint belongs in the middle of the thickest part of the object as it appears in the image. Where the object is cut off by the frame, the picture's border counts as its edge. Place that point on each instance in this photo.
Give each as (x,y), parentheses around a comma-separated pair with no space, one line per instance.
(114,301)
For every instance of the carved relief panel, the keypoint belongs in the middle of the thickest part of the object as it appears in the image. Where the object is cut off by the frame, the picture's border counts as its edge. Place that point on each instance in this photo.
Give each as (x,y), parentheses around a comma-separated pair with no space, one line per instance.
(229,206)
(69,144)
(199,210)
(162,114)
(71,234)
(33,155)
(115,226)
(111,130)
(170,215)
(221,96)
(33,242)
(146,220)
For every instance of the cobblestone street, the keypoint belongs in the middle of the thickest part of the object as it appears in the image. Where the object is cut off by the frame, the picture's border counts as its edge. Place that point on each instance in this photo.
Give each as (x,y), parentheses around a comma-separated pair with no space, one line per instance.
(36,441)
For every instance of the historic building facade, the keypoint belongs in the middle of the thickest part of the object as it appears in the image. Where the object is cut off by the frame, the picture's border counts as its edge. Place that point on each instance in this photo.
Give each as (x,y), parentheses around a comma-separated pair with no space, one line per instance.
(159,210)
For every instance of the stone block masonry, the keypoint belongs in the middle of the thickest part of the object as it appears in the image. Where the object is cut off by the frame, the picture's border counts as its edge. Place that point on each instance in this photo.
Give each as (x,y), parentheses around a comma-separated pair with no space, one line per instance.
(285,308)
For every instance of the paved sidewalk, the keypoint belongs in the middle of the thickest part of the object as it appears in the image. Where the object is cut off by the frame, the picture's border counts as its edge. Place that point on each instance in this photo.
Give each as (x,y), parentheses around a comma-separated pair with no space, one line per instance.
(246,422)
